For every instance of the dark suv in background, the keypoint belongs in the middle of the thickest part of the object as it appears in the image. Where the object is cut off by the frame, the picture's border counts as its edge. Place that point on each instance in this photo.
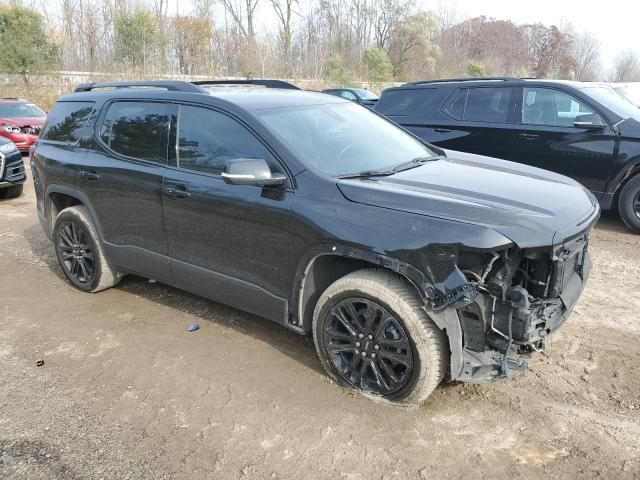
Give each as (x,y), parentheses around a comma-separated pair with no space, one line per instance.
(405,263)
(581,130)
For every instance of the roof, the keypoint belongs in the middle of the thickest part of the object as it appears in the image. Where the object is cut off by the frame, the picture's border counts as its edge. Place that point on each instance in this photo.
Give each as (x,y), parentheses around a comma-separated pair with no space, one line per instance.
(494,81)
(264,98)
(245,96)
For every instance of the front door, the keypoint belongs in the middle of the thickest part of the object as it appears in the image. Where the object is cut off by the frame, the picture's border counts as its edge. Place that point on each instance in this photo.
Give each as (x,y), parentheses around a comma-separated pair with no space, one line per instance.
(546,137)
(227,242)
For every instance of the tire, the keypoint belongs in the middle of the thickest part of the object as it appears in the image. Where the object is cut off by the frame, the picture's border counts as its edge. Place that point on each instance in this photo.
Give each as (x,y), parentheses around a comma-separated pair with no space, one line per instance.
(339,348)
(11,192)
(72,228)
(629,204)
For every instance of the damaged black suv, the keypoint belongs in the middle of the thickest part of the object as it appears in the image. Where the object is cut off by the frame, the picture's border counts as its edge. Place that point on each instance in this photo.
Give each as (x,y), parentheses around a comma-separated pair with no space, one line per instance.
(407,263)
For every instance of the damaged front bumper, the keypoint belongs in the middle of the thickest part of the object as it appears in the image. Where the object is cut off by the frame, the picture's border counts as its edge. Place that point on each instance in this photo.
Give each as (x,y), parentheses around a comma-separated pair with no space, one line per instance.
(523,298)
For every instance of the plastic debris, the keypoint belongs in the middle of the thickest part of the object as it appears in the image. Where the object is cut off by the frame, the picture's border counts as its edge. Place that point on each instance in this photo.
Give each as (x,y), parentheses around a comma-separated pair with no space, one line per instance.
(39,362)
(193,327)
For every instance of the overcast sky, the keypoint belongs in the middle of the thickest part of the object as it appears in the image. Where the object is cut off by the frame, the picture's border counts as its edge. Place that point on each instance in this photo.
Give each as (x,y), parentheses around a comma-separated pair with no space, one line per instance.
(615,24)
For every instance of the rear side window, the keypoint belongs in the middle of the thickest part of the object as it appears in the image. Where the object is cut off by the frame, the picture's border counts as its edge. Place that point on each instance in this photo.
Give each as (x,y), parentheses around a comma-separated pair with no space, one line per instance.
(208,139)
(405,101)
(482,104)
(66,121)
(136,129)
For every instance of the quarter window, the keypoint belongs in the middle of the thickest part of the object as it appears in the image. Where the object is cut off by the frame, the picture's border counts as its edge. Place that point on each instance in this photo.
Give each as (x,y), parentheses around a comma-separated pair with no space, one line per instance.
(208,139)
(544,106)
(482,104)
(66,121)
(136,129)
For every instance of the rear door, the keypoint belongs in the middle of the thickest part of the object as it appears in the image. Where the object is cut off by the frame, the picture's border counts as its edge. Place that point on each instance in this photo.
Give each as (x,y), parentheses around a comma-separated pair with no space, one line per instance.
(122,177)
(477,120)
(229,243)
(546,137)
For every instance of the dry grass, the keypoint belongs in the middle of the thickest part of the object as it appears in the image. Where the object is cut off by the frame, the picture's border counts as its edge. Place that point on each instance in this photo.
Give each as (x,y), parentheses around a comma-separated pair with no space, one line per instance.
(44,90)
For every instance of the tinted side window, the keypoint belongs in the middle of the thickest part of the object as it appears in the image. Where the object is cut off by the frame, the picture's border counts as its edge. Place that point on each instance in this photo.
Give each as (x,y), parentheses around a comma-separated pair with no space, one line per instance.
(208,139)
(348,95)
(404,102)
(136,129)
(66,121)
(482,104)
(544,106)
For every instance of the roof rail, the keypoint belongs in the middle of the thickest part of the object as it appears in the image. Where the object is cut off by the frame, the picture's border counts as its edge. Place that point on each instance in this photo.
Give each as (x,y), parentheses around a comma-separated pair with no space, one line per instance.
(171,85)
(262,82)
(464,79)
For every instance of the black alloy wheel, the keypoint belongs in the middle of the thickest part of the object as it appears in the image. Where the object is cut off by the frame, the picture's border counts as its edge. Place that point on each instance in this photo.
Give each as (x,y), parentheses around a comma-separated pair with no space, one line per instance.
(76,252)
(368,346)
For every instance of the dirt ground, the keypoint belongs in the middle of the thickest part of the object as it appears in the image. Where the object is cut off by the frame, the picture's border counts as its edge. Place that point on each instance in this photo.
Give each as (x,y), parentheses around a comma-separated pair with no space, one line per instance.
(126,392)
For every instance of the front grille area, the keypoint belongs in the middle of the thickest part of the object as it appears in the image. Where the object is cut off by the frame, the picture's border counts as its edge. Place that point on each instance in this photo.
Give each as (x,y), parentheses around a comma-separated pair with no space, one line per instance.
(31,129)
(11,169)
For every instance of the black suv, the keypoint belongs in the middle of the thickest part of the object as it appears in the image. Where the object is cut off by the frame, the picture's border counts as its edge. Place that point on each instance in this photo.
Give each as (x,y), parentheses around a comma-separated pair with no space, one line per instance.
(405,263)
(12,174)
(581,130)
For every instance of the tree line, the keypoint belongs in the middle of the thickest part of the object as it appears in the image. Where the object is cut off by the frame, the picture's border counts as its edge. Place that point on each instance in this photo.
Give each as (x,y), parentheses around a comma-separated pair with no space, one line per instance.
(339,41)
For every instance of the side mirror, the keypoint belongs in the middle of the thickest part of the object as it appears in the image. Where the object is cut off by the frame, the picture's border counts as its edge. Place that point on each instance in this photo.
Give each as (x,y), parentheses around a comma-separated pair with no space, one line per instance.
(591,121)
(251,171)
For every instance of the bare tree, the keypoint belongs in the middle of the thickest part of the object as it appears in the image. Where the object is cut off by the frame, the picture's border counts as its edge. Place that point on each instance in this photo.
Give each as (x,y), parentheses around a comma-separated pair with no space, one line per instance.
(586,54)
(626,66)
(284,11)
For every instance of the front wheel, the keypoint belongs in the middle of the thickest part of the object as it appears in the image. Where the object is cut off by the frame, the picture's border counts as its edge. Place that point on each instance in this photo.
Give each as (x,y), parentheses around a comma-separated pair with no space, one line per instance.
(372,335)
(629,204)
(11,192)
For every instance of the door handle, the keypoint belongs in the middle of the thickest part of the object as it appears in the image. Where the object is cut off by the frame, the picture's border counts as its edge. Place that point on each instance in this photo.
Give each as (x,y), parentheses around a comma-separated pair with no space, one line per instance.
(177,192)
(528,136)
(443,130)
(89,175)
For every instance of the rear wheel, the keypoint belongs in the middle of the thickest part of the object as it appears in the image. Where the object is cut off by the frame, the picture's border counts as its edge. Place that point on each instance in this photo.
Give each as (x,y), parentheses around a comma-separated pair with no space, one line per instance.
(629,204)
(372,335)
(79,251)
(11,192)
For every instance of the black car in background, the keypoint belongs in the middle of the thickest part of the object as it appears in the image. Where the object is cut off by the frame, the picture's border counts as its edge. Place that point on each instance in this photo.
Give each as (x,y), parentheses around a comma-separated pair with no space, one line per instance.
(361,96)
(406,264)
(12,174)
(581,130)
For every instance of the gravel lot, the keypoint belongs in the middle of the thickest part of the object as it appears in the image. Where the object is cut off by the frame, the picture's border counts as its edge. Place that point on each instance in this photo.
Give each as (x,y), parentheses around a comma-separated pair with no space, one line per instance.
(125,392)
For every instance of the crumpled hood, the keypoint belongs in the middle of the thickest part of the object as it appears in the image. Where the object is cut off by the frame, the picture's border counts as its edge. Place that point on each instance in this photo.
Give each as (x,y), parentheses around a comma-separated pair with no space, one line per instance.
(22,121)
(530,206)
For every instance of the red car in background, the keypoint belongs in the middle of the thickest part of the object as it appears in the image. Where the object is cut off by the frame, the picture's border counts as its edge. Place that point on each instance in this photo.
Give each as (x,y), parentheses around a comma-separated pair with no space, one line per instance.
(21,121)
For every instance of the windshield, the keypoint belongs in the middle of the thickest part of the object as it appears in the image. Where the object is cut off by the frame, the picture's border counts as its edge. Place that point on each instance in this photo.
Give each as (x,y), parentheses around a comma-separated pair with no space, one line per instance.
(343,138)
(20,110)
(630,92)
(613,102)
(365,94)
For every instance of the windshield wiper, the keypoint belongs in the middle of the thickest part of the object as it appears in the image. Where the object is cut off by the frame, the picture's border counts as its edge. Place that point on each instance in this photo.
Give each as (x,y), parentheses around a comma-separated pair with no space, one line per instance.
(415,162)
(368,174)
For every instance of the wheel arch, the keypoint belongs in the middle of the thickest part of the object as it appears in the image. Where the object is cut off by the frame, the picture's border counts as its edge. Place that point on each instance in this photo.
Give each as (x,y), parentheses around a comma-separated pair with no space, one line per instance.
(320,269)
(632,173)
(58,197)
